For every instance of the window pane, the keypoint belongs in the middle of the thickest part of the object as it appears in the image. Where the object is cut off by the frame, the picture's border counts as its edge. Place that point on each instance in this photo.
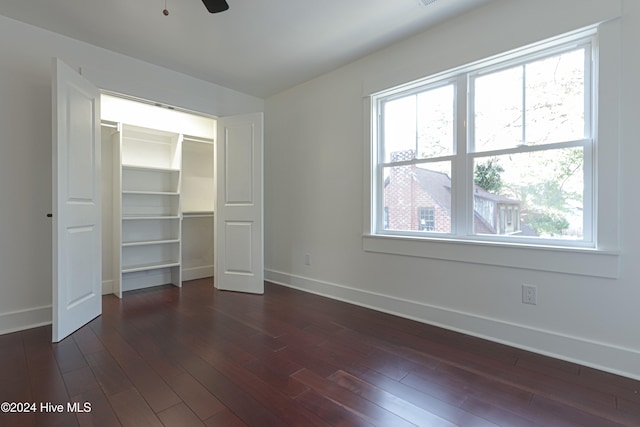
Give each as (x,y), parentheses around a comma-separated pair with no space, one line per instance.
(399,121)
(498,110)
(555,100)
(530,194)
(421,122)
(418,197)
(435,122)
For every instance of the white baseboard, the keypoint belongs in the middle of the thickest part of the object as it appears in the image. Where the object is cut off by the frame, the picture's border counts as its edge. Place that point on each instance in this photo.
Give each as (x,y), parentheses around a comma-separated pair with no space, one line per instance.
(197,273)
(187,274)
(107,287)
(25,319)
(598,355)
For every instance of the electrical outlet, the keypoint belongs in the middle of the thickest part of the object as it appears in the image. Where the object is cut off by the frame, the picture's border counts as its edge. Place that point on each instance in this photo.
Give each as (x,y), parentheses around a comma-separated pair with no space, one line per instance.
(529,294)
(307,259)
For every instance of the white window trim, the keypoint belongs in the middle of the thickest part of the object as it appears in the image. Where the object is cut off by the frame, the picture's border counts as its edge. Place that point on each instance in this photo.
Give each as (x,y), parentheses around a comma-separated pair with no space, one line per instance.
(601,260)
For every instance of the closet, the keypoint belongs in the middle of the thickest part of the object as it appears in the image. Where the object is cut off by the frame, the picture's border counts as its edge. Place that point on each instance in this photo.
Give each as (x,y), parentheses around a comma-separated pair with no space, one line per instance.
(138,180)
(163,193)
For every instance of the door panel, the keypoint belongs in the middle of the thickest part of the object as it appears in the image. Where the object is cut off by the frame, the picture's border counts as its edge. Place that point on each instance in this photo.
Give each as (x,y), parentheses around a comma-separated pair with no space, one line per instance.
(77,251)
(237,244)
(239,232)
(239,162)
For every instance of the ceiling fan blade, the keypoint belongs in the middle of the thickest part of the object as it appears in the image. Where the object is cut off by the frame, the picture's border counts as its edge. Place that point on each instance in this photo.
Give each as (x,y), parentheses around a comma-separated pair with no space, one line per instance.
(215,6)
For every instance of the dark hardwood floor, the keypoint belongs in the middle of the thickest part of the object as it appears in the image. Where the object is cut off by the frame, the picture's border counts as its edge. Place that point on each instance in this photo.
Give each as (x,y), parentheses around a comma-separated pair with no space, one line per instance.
(199,357)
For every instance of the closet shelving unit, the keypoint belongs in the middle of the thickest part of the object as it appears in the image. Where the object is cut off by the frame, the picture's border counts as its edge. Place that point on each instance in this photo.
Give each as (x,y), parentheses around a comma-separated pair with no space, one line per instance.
(163,194)
(147,210)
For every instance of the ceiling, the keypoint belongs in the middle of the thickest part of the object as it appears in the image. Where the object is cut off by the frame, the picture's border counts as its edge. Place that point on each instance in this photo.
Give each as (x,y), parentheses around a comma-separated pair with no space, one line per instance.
(259,47)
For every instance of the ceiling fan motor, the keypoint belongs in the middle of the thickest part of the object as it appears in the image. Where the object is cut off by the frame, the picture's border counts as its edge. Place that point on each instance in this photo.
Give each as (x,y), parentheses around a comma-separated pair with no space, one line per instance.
(215,6)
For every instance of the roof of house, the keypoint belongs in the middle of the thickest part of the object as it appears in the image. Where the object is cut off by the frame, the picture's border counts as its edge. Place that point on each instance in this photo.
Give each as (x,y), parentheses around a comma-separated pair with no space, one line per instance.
(438,185)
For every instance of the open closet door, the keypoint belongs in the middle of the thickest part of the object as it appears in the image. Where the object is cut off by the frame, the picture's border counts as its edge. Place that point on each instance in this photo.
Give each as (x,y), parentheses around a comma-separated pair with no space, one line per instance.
(239,233)
(77,252)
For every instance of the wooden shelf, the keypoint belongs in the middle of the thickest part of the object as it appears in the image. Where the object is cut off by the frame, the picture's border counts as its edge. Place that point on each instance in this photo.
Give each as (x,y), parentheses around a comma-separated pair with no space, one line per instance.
(202,214)
(145,217)
(148,168)
(149,242)
(150,193)
(150,266)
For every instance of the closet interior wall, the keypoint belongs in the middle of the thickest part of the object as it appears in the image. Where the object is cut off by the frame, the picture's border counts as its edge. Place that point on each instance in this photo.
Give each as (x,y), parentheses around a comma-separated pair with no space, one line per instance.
(198,196)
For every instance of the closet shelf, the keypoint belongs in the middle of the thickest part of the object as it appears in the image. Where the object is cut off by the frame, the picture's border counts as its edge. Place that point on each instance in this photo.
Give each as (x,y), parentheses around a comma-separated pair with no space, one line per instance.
(149,168)
(145,217)
(197,214)
(151,266)
(150,193)
(149,242)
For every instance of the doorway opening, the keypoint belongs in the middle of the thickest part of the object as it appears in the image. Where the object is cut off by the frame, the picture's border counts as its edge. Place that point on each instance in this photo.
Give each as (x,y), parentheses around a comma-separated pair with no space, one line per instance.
(158,195)
(146,206)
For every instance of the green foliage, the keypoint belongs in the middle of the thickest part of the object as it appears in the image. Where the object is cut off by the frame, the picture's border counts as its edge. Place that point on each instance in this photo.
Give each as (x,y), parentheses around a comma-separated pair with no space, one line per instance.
(545,200)
(547,196)
(487,175)
(548,200)
(546,206)
(547,224)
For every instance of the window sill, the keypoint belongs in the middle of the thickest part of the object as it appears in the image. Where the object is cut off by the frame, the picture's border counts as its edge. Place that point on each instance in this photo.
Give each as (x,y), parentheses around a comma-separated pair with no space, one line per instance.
(578,261)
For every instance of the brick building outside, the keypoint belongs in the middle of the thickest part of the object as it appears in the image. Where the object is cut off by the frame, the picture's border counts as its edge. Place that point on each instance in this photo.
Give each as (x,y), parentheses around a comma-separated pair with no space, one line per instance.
(419,199)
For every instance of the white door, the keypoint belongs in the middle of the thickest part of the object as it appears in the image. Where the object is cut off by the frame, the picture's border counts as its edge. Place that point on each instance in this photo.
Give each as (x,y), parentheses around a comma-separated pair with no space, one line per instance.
(77,270)
(238,231)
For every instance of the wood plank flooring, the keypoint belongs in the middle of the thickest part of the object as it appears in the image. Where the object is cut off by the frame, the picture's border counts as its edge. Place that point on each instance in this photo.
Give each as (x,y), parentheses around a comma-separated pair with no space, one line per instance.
(199,357)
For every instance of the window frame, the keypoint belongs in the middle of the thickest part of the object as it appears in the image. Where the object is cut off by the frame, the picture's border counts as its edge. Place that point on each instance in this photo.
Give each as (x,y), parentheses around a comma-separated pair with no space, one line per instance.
(464,153)
(589,42)
(598,258)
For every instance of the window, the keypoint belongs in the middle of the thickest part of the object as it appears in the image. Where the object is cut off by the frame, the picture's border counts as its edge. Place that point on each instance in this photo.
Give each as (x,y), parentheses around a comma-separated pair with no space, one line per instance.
(426,219)
(500,150)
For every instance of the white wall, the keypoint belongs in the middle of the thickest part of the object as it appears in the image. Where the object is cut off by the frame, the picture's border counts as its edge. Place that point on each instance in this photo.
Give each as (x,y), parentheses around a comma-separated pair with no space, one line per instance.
(25,148)
(315,197)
